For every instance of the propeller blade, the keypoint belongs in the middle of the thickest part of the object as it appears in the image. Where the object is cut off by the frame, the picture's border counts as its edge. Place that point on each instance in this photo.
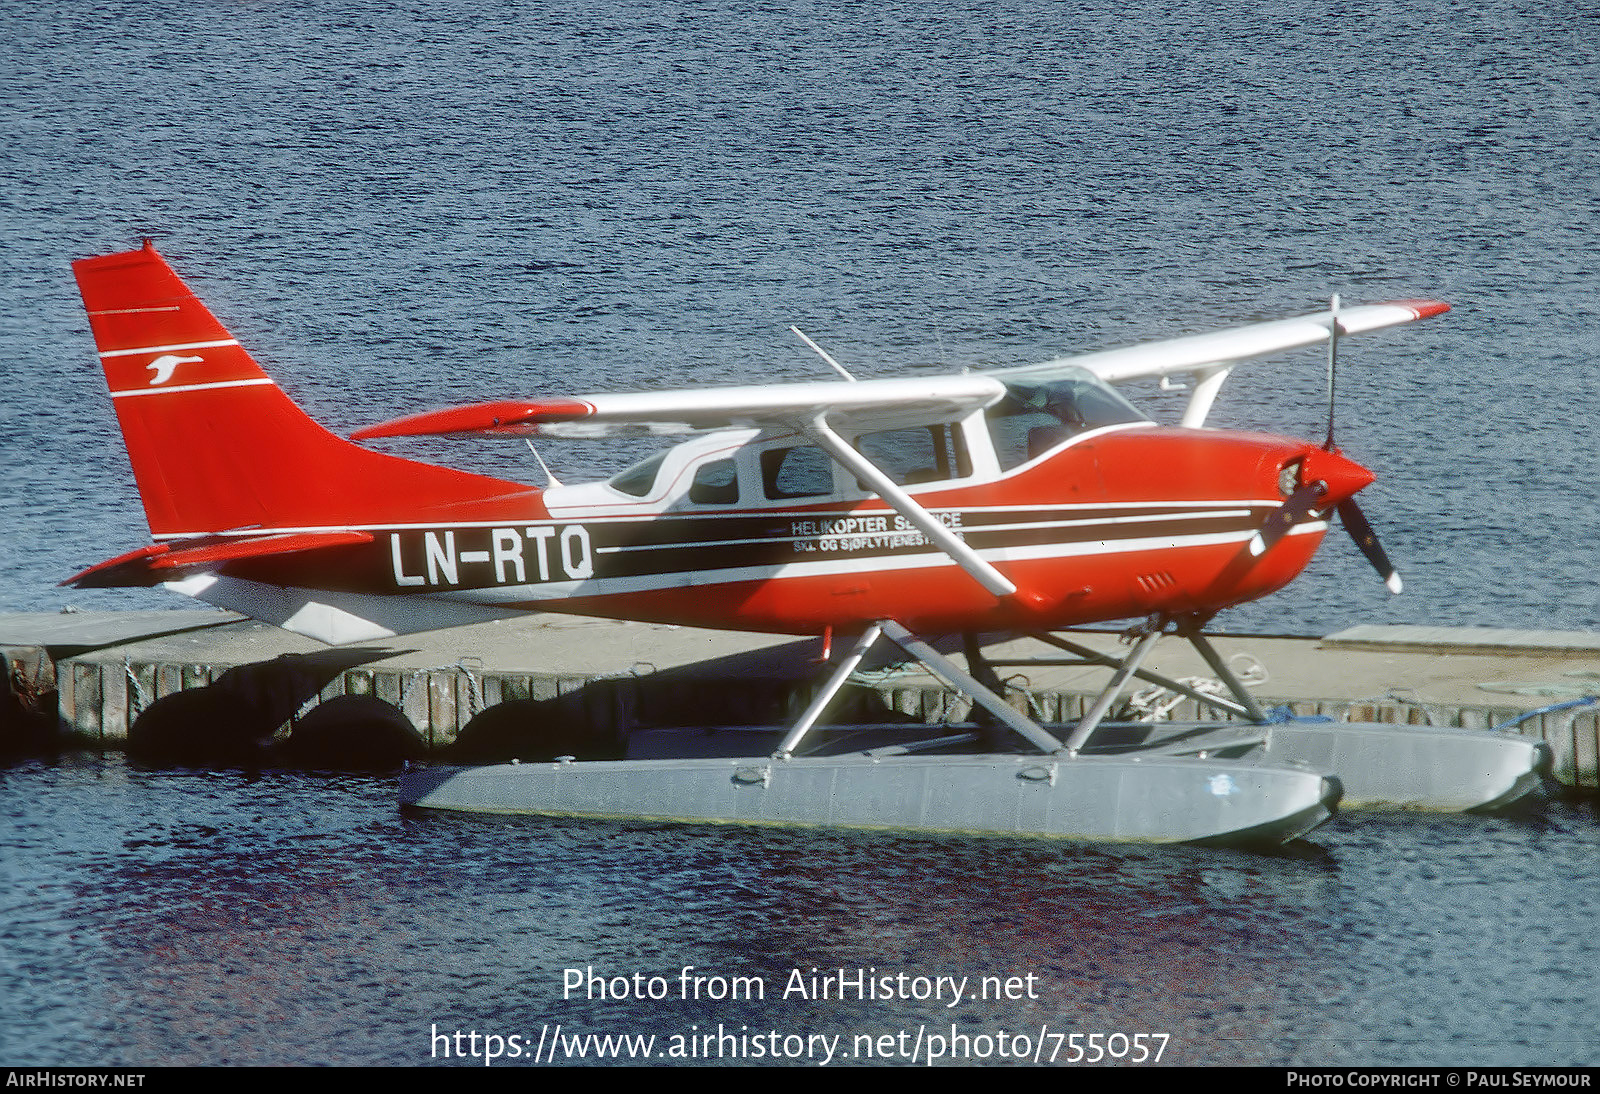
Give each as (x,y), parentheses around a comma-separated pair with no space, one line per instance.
(1300,504)
(1355,522)
(1333,362)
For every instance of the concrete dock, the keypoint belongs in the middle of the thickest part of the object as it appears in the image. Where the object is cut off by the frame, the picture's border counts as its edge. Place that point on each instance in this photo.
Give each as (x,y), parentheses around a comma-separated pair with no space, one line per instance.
(102,671)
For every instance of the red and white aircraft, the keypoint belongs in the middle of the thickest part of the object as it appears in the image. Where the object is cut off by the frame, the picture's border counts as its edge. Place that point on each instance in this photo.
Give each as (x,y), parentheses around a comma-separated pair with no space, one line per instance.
(1030,498)
(1024,499)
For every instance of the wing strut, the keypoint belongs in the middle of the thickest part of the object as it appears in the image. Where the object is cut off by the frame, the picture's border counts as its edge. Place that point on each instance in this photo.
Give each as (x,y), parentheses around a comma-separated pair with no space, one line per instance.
(1208,382)
(947,541)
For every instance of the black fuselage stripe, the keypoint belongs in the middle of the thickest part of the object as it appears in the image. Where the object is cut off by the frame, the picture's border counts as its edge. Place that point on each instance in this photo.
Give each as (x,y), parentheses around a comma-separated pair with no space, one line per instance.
(467,557)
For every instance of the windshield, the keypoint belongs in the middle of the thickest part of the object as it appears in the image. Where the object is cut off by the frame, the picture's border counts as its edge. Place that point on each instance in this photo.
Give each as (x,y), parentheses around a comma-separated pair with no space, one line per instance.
(1037,415)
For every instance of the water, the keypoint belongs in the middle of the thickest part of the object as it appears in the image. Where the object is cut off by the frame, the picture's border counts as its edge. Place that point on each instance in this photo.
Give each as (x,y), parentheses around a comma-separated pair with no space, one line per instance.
(403,206)
(221,918)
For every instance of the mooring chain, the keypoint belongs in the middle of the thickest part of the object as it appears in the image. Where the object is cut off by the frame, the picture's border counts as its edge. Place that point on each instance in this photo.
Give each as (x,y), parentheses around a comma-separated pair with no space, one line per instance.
(26,688)
(882,679)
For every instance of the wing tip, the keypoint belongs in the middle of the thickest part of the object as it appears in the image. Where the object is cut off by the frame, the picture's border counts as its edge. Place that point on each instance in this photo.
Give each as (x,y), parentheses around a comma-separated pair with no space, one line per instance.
(1421,309)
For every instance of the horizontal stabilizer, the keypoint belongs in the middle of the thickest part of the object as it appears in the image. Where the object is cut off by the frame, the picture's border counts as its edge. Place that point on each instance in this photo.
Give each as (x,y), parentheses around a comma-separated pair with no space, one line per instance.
(167,562)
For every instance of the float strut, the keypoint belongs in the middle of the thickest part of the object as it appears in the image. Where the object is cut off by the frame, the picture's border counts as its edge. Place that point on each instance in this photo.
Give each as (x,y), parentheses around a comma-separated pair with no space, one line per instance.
(1189,627)
(820,702)
(1119,680)
(941,665)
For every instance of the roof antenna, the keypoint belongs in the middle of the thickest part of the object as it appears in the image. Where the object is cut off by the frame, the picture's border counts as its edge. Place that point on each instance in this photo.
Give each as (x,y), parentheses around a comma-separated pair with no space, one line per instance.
(822,353)
(542,465)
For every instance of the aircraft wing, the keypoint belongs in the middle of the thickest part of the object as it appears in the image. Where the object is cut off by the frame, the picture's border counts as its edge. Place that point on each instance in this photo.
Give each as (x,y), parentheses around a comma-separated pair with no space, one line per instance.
(1206,352)
(851,406)
(896,403)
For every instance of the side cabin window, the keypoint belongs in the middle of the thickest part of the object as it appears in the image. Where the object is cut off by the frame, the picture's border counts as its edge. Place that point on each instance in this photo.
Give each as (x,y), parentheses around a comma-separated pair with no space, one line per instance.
(715,483)
(801,471)
(1037,415)
(917,455)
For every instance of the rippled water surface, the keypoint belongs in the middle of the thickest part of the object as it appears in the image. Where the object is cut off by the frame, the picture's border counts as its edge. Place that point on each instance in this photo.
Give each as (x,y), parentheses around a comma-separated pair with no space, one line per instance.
(223,918)
(399,206)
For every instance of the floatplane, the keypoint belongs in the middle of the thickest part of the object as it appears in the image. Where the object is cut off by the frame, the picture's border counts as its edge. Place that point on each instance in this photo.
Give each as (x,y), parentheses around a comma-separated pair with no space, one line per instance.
(1026,500)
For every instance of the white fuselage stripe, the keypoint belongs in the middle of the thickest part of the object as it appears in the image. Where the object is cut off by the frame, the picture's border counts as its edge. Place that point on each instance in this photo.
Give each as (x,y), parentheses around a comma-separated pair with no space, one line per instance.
(621,586)
(167,349)
(850,507)
(1232,508)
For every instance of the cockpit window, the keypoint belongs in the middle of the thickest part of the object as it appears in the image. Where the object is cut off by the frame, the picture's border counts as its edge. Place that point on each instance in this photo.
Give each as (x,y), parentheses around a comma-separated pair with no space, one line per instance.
(917,455)
(1037,415)
(638,479)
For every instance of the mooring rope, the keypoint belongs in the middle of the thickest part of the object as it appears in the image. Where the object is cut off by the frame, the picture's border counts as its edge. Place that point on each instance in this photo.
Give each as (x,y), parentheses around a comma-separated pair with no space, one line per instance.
(141,701)
(1571,704)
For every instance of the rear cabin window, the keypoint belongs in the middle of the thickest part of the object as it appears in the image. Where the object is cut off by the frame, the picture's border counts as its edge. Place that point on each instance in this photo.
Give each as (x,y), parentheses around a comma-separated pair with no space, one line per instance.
(803,471)
(1037,415)
(715,483)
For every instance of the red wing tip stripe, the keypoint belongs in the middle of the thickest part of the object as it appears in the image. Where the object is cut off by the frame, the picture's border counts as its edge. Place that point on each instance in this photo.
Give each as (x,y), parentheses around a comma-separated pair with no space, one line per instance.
(166,349)
(191,387)
(1421,309)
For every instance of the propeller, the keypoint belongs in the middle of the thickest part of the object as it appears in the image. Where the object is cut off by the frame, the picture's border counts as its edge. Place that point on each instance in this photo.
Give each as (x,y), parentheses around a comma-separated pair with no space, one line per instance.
(1324,473)
(1301,504)
(1333,362)
(1355,522)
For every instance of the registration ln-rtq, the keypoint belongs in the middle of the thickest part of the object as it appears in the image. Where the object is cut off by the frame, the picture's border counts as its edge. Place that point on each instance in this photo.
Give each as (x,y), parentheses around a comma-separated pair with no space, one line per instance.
(1026,500)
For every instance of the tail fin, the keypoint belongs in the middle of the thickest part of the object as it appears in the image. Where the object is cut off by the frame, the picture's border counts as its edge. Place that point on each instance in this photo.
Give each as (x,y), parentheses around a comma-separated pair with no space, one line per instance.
(217,446)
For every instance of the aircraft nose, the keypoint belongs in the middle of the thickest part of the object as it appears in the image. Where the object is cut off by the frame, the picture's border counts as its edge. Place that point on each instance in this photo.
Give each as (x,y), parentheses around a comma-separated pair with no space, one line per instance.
(1328,479)
(1313,480)
(1341,476)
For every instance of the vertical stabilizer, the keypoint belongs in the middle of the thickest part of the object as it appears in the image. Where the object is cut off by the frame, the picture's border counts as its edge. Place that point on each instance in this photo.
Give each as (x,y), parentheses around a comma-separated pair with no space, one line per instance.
(217,446)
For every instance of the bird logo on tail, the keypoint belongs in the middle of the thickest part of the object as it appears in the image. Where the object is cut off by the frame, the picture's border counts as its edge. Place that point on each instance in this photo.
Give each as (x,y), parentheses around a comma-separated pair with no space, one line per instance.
(164,365)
